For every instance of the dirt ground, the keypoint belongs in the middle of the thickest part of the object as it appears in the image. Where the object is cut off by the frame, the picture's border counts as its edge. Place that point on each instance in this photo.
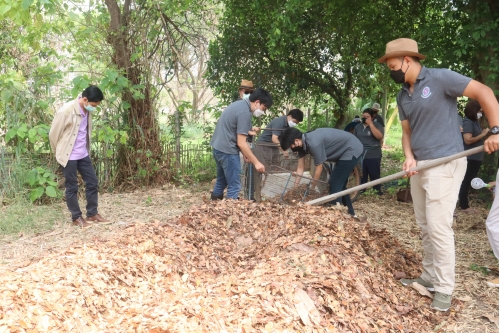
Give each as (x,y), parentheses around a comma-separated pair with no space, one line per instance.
(475,262)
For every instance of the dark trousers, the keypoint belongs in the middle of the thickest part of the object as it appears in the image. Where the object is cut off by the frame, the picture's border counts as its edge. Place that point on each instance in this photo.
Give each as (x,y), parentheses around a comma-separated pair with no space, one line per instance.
(84,166)
(371,167)
(338,181)
(471,172)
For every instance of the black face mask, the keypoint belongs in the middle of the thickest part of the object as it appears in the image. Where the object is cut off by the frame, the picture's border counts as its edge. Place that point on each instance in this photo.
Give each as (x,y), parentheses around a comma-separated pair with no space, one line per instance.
(399,76)
(363,120)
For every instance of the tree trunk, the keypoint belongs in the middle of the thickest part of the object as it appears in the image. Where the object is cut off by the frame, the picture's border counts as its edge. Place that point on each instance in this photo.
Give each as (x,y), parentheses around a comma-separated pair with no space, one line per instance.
(143,151)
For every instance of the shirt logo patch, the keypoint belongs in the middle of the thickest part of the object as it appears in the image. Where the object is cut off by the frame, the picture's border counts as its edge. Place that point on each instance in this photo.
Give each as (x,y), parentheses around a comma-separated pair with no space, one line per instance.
(426,92)
(369,133)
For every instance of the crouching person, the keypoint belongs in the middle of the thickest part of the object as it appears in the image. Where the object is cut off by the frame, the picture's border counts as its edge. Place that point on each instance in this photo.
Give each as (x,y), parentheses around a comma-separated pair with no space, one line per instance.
(230,137)
(69,136)
(326,144)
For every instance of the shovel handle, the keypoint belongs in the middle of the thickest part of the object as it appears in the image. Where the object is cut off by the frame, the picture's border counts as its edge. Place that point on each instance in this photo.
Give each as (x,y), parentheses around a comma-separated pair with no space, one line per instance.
(398,175)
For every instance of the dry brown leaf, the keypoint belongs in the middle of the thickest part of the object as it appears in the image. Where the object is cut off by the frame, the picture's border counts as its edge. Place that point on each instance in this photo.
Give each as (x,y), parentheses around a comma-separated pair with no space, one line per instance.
(302,247)
(492,318)
(243,241)
(306,308)
(403,309)
(399,275)
(464,298)
(421,289)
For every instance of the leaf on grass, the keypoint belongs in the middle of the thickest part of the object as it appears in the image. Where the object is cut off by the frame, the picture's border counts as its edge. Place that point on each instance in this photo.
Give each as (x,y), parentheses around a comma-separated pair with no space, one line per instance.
(421,289)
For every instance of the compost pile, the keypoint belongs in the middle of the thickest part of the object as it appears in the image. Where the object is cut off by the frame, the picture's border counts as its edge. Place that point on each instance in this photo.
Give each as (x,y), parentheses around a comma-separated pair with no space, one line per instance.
(230,266)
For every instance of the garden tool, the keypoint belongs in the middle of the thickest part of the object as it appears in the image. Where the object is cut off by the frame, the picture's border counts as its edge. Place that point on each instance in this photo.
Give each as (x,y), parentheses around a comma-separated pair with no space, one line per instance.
(477,183)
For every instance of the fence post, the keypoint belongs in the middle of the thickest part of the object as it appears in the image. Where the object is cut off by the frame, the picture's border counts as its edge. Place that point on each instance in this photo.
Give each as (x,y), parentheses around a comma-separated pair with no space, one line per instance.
(177,139)
(308,119)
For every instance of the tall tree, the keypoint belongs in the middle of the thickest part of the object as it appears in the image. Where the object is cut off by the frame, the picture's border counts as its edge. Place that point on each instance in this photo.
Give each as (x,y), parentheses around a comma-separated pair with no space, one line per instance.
(315,46)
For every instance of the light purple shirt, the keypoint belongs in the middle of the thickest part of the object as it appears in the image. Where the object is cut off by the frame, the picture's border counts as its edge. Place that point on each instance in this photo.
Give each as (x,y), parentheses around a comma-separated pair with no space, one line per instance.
(80,148)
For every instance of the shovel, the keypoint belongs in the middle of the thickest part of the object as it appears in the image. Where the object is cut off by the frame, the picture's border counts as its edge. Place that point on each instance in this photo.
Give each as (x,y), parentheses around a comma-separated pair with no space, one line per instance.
(395,176)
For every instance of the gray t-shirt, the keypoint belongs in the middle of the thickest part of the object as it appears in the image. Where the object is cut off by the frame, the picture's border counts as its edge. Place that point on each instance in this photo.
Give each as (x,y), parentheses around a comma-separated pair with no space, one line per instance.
(432,112)
(473,128)
(276,124)
(330,144)
(370,143)
(378,119)
(235,119)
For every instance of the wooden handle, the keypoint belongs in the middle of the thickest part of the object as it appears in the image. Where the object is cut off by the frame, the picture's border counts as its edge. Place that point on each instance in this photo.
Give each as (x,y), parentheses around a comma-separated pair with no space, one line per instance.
(398,175)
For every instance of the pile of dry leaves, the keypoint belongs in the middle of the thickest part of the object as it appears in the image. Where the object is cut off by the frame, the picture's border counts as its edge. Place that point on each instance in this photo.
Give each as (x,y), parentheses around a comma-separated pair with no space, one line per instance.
(300,193)
(231,266)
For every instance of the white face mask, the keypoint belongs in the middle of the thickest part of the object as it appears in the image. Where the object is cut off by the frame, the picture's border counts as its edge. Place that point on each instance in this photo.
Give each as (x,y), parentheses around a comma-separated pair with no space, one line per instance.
(258,112)
(291,123)
(246,96)
(479,115)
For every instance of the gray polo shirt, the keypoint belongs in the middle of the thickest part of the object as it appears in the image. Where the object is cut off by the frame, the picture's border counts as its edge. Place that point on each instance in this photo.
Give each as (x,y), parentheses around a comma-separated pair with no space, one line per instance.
(235,119)
(370,143)
(432,112)
(378,119)
(473,128)
(330,144)
(275,124)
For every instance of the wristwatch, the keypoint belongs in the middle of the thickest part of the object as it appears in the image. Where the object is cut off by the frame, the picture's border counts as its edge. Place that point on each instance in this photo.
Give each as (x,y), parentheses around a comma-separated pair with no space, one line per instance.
(494,130)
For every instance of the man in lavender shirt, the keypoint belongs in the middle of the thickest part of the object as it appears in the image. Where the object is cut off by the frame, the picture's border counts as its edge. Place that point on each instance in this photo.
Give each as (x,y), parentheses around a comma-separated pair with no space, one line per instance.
(70,136)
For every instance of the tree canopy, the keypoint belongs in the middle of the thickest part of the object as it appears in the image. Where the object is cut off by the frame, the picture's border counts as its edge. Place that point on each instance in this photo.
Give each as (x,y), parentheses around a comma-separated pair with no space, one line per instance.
(308,48)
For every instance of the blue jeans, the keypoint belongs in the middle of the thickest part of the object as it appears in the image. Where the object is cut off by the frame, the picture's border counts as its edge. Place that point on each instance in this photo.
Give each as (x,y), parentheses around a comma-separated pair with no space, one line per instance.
(228,174)
(338,181)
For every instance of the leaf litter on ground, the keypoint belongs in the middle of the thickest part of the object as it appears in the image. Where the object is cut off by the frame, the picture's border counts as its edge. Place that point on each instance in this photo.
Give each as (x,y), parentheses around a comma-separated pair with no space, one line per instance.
(227,266)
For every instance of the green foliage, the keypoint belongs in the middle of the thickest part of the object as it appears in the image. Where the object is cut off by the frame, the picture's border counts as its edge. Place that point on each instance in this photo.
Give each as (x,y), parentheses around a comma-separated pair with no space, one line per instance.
(463,35)
(35,139)
(42,181)
(301,49)
(482,269)
(175,121)
(108,137)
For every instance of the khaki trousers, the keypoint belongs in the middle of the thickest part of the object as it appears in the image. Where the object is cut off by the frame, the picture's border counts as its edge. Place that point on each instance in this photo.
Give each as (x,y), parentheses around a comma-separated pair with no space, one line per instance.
(492,223)
(435,192)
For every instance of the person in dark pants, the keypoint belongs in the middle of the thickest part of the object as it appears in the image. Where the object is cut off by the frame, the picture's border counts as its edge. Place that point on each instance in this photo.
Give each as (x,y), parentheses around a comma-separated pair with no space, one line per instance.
(70,135)
(370,133)
(473,136)
(326,144)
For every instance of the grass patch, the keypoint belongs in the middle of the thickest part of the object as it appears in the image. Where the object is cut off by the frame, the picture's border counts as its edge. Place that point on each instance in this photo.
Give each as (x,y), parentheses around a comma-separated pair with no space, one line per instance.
(21,216)
(392,154)
(393,138)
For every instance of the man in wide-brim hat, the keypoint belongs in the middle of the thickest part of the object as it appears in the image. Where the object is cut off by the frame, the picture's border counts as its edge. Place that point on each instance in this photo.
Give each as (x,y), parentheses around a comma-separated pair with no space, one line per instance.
(245,89)
(426,101)
(377,118)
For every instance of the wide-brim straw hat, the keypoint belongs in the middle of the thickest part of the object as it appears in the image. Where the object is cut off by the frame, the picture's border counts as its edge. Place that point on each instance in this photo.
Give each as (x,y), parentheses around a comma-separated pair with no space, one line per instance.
(245,84)
(400,48)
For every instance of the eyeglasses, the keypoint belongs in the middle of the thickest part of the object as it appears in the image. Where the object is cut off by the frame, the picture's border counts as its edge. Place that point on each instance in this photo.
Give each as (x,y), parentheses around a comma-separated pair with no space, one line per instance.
(248,91)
